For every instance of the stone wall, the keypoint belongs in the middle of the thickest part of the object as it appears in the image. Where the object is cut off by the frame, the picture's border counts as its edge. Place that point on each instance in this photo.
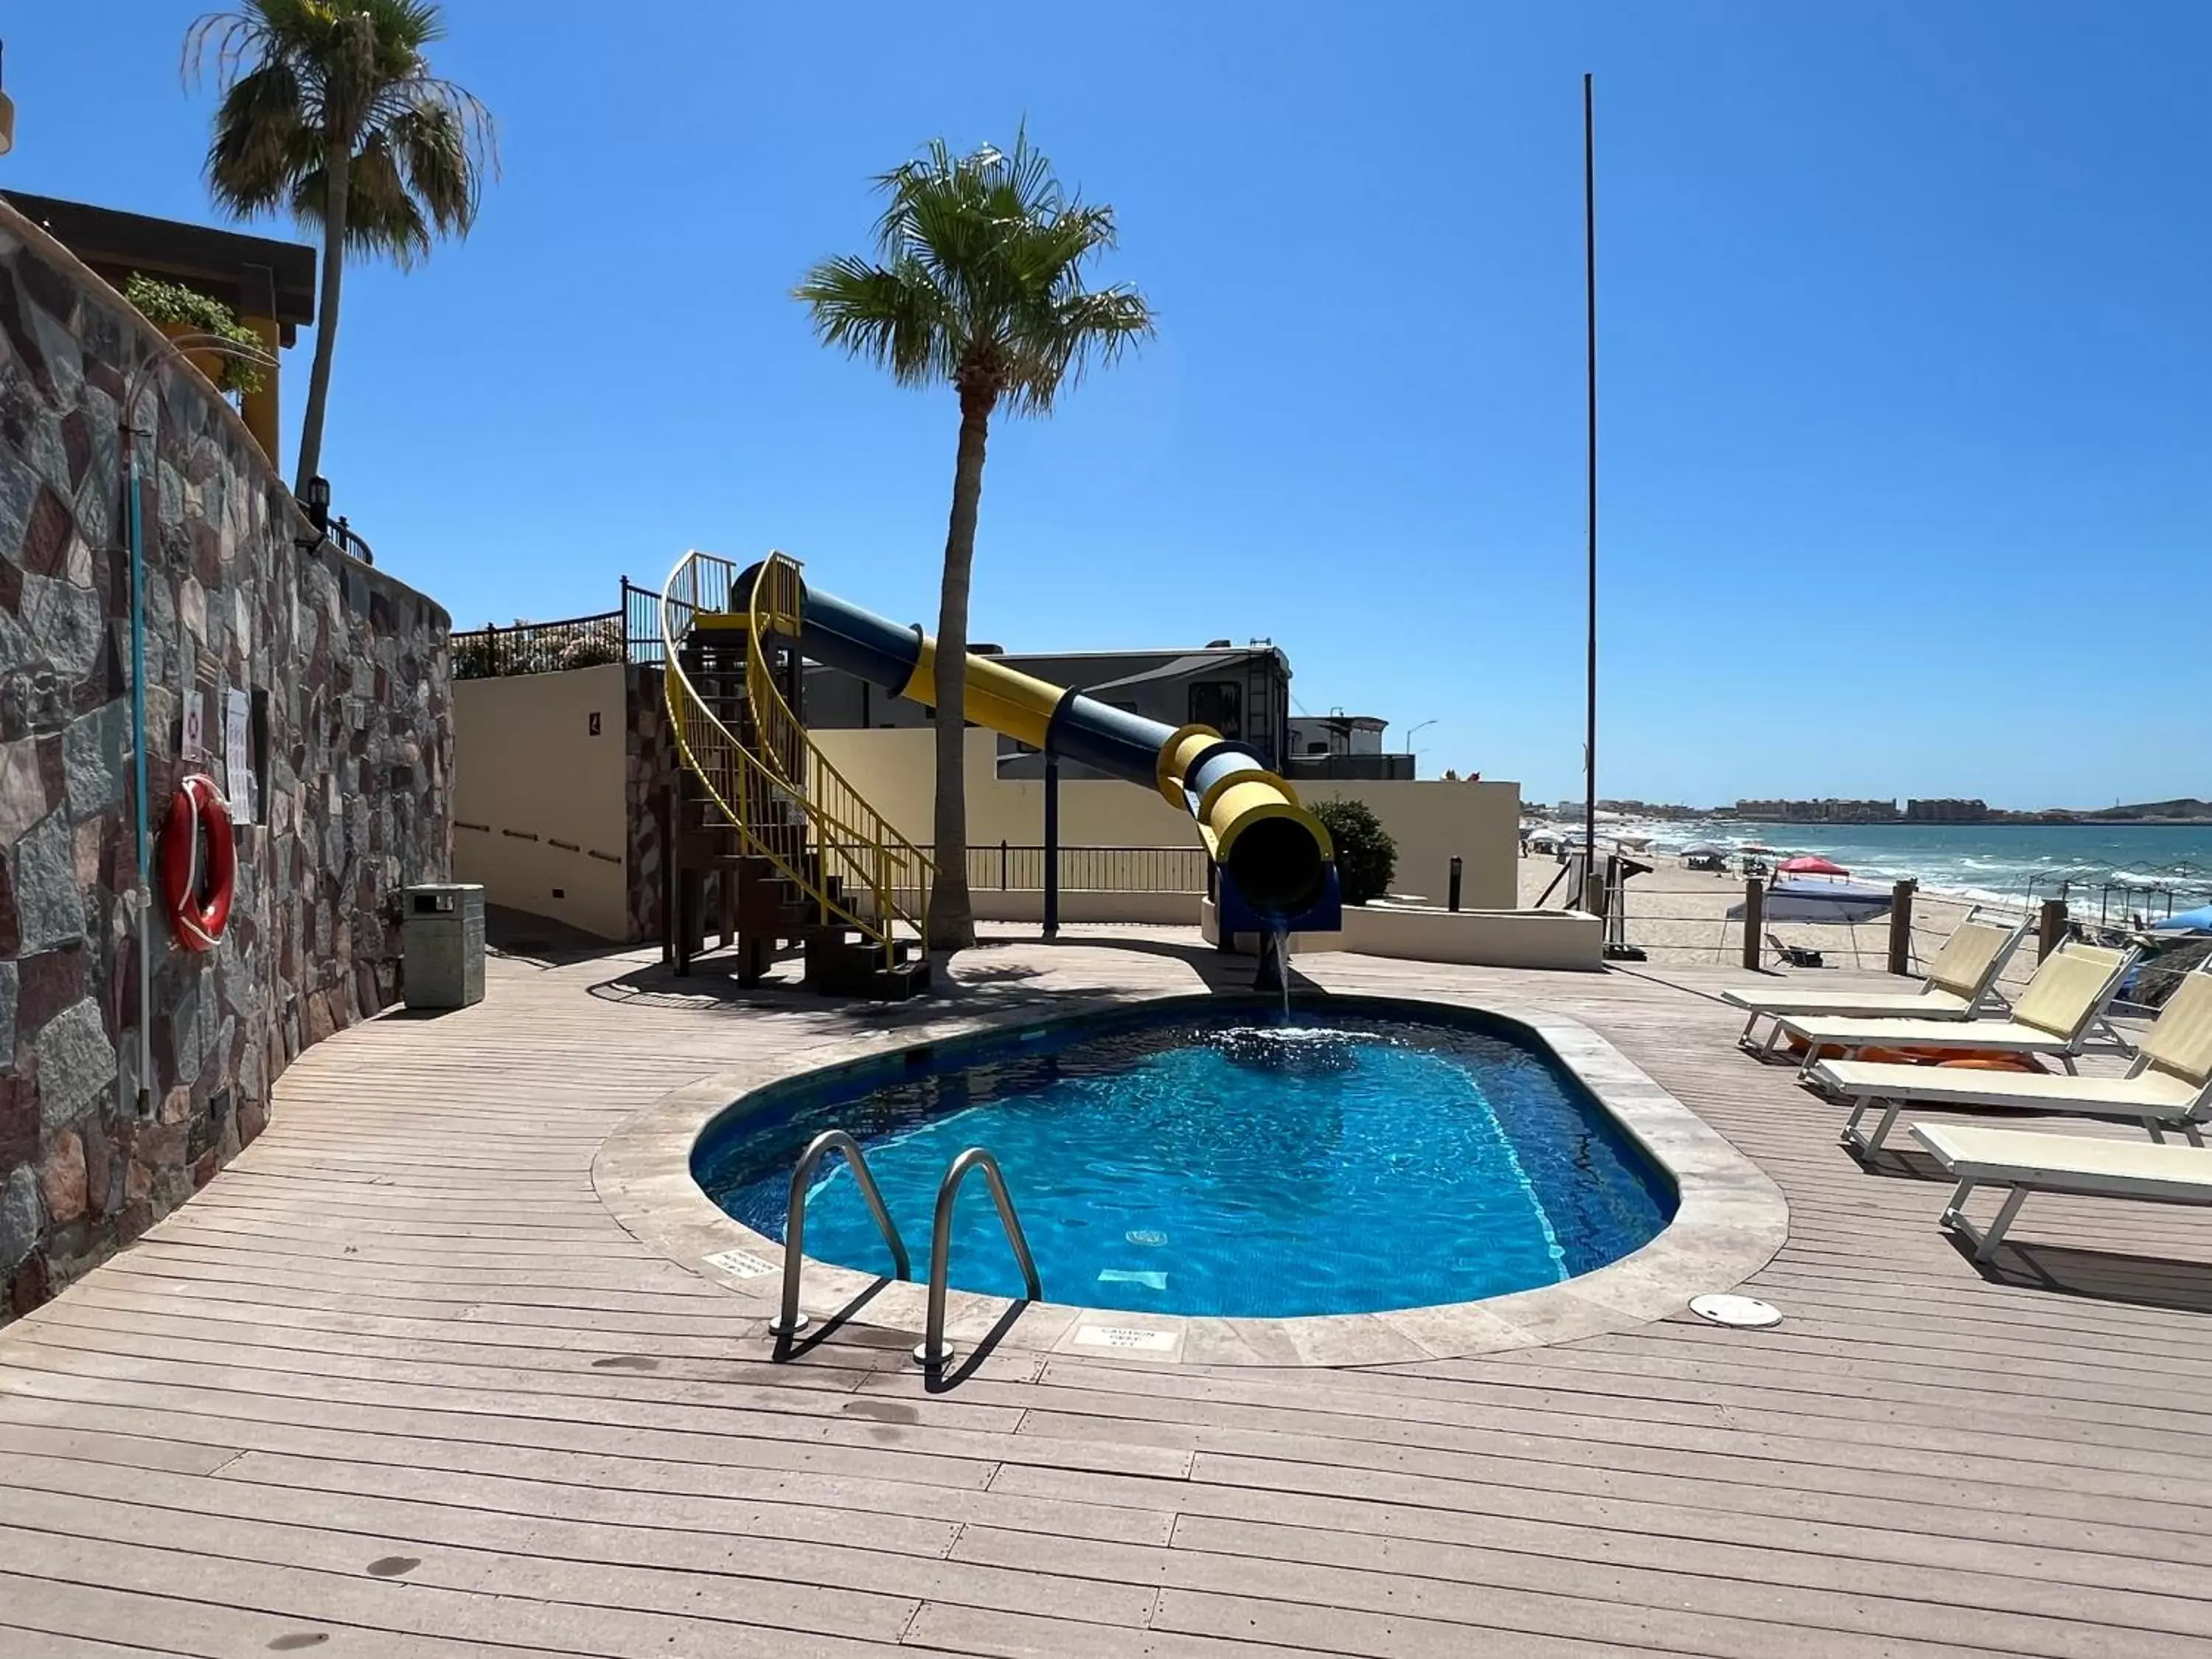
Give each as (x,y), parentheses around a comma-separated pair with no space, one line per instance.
(352,669)
(651,761)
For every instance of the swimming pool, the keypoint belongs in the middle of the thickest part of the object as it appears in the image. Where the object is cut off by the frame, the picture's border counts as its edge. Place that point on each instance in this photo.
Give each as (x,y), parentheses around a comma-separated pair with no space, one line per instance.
(1220,1162)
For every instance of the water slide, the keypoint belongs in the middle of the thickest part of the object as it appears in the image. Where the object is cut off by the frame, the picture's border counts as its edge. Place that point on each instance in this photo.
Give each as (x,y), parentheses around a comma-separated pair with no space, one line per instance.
(1274,851)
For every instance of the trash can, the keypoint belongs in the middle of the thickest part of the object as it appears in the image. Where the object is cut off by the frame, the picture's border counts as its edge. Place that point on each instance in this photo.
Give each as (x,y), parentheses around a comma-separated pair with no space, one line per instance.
(443,939)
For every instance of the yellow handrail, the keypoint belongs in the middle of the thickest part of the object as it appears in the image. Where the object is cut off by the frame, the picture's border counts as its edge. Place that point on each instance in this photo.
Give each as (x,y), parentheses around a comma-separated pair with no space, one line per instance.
(848,840)
(871,853)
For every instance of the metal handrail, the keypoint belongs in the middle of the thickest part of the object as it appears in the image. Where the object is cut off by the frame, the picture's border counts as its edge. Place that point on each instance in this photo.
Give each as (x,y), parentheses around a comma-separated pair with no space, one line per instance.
(809,775)
(739,781)
(839,825)
(790,1321)
(933,1354)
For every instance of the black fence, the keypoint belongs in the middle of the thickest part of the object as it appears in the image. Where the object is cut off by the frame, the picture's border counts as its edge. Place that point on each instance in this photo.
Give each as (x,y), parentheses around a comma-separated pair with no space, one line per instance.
(1350,768)
(350,541)
(1006,867)
(630,632)
(640,613)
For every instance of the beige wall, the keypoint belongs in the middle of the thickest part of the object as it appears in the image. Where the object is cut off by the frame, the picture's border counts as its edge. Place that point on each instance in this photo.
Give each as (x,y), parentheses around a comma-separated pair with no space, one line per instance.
(526,763)
(1430,822)
(1487,938)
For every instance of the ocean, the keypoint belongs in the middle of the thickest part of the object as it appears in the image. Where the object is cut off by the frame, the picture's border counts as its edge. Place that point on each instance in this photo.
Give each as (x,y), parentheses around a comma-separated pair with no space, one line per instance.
(2011,863)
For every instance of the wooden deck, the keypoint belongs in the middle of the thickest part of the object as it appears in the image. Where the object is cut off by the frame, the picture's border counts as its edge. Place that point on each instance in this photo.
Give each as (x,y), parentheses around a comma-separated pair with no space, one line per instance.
(397,1385)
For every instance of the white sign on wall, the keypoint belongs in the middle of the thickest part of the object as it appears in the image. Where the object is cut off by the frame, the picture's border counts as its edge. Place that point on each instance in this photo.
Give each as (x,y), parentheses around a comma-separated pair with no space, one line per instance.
(191,703)
(238,756)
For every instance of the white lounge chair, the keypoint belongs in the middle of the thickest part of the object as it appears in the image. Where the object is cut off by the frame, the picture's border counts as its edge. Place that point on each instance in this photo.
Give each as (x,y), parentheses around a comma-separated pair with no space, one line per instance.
(2054,1015)
(2034,1161)
(1961,978)
(2168,1087)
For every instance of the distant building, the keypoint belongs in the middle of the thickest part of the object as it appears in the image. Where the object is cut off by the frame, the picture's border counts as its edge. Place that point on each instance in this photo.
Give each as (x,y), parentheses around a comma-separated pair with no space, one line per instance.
(1649,809)
(1342,746)
(1241,692)
(1826,811)
(1945,811)
(1337,734)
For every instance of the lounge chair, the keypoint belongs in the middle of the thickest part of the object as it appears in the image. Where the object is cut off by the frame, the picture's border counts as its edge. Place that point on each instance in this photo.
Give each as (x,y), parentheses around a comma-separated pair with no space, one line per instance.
(2168,1087)
(2035,1161)
(1797,956)
(1962,977)
(2054,1014)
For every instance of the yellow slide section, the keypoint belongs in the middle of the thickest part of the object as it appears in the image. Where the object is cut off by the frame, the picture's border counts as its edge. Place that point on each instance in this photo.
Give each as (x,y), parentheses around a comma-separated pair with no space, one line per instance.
(1018,705)
(1231,802)
(1252,822)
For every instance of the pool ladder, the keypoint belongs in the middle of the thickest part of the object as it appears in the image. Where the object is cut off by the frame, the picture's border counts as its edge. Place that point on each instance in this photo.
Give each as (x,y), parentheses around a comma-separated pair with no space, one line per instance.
(932,1352)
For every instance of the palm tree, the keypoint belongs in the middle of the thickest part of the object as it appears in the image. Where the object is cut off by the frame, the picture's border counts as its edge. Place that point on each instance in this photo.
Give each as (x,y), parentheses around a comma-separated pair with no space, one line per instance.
(329,111)
(978,283)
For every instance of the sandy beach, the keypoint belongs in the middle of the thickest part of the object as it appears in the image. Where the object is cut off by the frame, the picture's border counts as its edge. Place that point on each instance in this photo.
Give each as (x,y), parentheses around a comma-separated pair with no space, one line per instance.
(1679,915)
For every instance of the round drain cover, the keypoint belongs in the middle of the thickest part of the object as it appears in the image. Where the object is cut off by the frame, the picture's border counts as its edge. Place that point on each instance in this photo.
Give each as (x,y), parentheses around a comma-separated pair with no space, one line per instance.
(1144,1235)
(1742,1310)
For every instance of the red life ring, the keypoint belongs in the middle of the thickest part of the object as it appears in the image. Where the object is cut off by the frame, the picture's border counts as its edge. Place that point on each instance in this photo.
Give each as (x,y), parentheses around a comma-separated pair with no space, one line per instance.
(196,807)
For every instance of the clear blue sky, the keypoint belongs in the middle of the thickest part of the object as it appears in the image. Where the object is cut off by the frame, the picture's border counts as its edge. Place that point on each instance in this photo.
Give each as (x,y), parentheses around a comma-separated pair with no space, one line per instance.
(1905,356)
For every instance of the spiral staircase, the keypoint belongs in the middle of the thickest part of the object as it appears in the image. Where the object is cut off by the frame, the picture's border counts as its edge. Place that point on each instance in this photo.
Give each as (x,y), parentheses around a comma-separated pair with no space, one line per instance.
(767,836)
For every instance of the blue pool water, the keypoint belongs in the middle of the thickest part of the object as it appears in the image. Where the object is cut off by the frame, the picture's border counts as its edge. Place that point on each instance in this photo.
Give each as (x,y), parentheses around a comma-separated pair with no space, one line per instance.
(1223,1163)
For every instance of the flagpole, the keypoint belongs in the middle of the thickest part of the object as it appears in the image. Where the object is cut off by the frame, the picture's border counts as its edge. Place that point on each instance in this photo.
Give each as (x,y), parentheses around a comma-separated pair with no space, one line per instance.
(1591,880)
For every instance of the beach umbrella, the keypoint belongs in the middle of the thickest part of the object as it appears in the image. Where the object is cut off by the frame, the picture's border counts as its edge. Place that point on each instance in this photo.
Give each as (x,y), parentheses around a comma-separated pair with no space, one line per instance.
(1753,846)
(2198,920)
(1807,865)
(1705,849)
(1832,902)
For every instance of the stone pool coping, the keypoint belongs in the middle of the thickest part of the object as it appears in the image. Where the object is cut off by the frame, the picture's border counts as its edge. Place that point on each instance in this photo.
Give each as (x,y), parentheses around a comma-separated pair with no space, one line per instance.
(1730,1221)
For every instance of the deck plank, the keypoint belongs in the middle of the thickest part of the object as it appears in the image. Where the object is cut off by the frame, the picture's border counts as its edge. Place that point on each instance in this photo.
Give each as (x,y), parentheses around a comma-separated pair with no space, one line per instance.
(402,1326)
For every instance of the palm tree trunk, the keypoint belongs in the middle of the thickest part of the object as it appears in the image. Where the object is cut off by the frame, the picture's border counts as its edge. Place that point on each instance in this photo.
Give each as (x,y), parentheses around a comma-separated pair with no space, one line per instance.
(337,175)
(952,916)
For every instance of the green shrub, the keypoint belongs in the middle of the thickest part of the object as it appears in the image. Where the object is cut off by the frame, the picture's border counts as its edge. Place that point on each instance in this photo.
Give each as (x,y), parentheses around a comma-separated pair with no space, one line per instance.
(590,647)
(1366,857)
(172,305)
(472,658)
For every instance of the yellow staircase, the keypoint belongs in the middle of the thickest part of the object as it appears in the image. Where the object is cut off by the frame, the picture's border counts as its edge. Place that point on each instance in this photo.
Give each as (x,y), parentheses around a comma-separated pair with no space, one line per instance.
(814,859)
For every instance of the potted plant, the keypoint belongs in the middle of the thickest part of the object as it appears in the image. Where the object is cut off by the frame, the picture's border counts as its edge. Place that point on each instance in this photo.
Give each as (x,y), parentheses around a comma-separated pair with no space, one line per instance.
(178,311)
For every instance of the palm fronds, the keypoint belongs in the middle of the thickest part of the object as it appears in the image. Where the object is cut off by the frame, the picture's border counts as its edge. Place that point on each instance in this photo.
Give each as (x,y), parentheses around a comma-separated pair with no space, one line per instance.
(979,277)
(299,78)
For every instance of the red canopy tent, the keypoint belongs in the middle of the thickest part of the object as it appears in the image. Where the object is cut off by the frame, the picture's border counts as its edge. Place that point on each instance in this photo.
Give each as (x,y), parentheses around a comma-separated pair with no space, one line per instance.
(1807,865)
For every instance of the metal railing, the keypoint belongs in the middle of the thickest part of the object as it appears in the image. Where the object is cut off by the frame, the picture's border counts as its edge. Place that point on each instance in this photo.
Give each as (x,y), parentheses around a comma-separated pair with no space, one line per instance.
(350,541)
(640,614)
(1349,769)
(315,499)
(630,632)
(855,846)
(1011,867)
(546,647)
(790,1321)
(1673,935)
(933,1353)
(789,801)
